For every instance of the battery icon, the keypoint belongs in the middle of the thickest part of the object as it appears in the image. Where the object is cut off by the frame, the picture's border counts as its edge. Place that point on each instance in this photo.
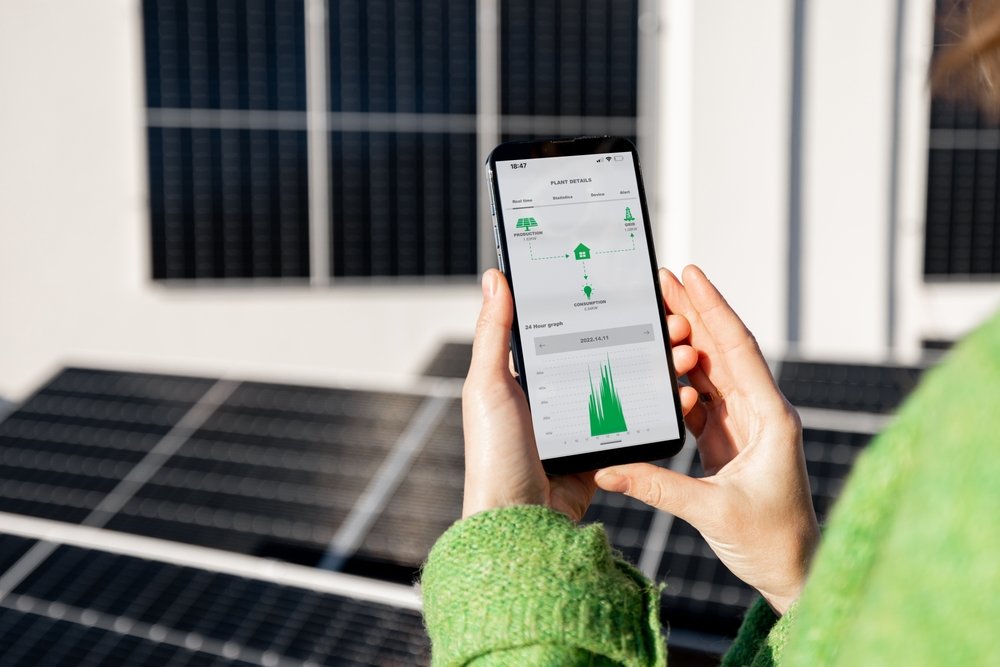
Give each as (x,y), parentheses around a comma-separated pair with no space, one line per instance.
(619,158)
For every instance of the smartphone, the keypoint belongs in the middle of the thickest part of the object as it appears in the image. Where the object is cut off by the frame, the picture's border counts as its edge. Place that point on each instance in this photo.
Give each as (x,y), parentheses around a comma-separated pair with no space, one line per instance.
(589,341)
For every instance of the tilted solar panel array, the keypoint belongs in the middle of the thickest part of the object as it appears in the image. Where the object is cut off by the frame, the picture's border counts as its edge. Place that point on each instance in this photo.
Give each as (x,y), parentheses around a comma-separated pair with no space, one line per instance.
(259,469)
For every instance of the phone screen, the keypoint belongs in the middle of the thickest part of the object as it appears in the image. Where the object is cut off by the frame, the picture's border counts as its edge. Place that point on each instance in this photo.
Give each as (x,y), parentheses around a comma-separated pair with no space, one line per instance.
(594,358)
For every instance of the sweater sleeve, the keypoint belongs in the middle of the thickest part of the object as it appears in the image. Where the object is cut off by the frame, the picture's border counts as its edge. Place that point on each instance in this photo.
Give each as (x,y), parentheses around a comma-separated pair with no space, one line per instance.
(526,586)
(762,637)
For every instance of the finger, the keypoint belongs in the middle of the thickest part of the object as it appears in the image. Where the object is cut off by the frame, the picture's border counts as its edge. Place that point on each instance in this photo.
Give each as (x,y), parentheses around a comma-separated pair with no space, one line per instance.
(490,348)
(685,358)
(678,302)
(674,296)
(679,328)
(696,418)
(689,399)
(664,489)
(510,364)
(742,360)
(700,380)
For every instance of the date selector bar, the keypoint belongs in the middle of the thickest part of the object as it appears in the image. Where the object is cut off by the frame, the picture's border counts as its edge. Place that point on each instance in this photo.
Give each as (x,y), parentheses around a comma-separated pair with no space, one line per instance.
(591,340)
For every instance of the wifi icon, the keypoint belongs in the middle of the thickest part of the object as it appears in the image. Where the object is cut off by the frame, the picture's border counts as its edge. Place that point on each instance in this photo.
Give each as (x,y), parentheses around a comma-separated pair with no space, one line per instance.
(608,158)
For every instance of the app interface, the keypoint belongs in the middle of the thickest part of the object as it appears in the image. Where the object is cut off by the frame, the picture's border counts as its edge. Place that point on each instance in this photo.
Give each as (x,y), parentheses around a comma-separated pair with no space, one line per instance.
(594,355)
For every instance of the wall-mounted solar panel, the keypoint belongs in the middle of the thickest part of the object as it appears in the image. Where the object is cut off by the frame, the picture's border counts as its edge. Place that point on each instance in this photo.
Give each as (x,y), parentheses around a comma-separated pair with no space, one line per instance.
(403,146)
(66,447)
(225,91)
(568,68)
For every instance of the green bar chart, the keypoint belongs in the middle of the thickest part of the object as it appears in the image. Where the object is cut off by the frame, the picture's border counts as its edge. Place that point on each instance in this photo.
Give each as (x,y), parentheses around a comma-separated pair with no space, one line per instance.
(605,406)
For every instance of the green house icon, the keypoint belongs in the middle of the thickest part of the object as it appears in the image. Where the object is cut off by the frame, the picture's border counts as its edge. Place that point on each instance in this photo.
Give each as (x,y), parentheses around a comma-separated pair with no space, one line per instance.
(581,252)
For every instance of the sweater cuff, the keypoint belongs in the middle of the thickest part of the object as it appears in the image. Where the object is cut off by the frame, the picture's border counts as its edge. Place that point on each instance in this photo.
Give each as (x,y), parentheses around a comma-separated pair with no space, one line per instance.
(762,637)
(527,579)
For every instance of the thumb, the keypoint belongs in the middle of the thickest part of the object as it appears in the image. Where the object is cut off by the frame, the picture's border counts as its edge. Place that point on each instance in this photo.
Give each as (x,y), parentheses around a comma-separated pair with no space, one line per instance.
(667,490)
(490,348)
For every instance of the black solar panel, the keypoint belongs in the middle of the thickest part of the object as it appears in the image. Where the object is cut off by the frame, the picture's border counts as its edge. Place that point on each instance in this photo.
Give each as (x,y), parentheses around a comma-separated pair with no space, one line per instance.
(226,203)
(12,547)
(404,203)
(225,54)
(830,455)
(851,387)
(273,471)
(426,503)
(572,58)
(90,607)
(69,444)
(403,200)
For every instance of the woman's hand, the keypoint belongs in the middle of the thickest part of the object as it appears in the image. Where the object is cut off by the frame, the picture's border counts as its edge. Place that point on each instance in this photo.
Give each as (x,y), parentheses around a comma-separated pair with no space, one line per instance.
(754,507)
(501,460)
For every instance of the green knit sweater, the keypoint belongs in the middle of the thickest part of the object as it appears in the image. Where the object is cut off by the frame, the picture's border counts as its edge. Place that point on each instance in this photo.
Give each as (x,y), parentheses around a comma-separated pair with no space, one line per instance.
(908,572)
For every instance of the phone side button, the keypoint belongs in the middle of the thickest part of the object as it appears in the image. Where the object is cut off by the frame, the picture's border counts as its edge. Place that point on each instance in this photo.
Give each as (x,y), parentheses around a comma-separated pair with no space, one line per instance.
(496,236)
(500,261)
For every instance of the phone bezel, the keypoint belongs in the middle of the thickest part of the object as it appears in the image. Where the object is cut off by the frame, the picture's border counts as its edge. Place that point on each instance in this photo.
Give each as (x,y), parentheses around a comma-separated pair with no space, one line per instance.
(527,150)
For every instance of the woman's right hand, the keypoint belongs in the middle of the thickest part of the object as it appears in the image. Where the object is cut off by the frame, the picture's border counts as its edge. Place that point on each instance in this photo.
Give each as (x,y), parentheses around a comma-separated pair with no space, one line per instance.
(754,507)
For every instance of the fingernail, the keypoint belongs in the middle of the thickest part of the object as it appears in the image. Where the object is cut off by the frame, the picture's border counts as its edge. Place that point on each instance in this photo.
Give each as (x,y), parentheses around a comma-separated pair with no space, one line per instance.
(610,481)
(489,284)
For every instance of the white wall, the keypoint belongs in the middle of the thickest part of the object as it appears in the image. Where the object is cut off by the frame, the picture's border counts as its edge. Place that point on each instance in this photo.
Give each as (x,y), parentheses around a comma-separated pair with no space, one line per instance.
(73,245)
(725,107)
(849,58)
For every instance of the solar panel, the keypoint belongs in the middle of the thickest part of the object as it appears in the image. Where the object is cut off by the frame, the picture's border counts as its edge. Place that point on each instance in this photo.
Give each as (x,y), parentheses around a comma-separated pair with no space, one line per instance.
(849,387)
(427,502)
(575,58)
(226,201)
(401,197)
(82,606)
(273,471)
(69,444)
